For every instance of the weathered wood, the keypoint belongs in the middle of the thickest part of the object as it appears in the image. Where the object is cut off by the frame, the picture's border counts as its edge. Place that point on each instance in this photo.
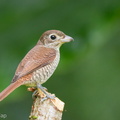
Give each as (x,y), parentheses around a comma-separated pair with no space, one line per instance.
(48,109)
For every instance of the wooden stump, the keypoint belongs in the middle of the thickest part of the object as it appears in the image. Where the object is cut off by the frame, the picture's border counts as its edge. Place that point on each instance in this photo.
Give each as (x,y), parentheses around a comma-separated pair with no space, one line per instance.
(48,109)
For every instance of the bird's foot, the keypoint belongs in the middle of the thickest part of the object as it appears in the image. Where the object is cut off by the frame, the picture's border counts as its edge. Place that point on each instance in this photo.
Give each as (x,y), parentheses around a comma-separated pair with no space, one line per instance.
(43,93)
(48,97)
(35,93)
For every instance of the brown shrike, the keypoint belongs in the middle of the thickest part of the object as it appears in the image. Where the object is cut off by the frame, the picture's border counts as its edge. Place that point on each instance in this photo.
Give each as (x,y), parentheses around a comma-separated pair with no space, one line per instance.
(39,63)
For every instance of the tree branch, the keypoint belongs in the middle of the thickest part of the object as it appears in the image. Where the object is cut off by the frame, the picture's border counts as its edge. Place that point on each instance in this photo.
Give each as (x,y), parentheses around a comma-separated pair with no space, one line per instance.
(48,109)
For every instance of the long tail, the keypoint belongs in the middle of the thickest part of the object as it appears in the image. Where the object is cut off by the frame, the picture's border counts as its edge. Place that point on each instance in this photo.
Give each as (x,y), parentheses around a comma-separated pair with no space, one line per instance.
(9,89)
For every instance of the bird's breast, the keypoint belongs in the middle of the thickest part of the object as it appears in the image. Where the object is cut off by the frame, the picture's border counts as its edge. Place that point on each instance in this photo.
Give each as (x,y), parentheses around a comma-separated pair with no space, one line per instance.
(43,74)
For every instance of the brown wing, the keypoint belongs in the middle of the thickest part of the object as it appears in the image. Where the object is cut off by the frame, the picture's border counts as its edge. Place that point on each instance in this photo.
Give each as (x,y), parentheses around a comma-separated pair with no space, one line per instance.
(35,58)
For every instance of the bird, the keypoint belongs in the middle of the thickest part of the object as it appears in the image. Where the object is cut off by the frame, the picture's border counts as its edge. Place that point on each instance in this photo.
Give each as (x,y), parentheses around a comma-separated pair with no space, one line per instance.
(39,63)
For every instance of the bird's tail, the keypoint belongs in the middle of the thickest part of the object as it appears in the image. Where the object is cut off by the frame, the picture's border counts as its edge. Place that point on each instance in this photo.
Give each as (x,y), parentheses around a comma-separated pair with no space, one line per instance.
(9,89)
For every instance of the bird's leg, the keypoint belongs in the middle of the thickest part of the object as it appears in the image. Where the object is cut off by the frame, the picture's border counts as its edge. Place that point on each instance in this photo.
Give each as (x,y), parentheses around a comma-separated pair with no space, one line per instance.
(44,88)
(35,91)
(43,93)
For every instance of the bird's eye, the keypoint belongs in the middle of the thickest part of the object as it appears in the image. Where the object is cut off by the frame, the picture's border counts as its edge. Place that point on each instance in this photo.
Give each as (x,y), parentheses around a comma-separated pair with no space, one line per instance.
(53,37)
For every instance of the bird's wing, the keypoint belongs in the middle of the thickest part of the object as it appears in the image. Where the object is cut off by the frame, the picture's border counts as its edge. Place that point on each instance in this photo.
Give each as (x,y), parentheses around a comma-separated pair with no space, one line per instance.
(37,57)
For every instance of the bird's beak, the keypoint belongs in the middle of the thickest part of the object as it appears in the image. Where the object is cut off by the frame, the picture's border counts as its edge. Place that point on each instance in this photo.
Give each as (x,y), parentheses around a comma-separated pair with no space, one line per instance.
(67,39)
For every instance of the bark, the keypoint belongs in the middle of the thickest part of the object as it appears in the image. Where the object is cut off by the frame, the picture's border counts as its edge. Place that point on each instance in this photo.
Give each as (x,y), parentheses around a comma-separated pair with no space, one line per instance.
(48,109)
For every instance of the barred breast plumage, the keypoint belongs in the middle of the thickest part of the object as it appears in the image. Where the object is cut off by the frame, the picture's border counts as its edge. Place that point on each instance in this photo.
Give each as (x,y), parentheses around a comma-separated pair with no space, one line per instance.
(43,74)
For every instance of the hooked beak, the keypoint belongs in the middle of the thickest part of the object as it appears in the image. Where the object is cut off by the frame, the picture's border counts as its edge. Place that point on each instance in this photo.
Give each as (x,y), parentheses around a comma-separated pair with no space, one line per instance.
(67,39)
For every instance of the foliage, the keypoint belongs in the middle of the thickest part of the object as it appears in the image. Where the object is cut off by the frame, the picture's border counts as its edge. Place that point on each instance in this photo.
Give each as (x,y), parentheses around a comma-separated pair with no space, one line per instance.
(88,76)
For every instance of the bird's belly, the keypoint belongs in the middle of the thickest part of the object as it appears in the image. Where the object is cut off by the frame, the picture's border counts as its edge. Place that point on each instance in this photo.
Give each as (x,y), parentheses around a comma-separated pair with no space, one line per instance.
(43,74)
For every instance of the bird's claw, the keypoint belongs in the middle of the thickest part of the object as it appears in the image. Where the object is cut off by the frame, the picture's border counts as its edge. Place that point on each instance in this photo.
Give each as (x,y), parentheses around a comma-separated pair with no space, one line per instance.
(43,93)
(35,93)
(48,97)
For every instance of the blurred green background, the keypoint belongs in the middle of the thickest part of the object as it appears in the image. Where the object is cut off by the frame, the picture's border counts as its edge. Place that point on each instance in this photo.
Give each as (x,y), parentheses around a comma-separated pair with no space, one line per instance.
(88,76)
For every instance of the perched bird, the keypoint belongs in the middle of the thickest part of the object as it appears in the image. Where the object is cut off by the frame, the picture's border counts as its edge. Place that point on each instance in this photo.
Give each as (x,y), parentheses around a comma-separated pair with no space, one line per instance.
(39,63)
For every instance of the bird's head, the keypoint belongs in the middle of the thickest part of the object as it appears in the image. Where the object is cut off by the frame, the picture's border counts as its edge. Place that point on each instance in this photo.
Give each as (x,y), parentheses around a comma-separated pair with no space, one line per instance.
(54,38)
